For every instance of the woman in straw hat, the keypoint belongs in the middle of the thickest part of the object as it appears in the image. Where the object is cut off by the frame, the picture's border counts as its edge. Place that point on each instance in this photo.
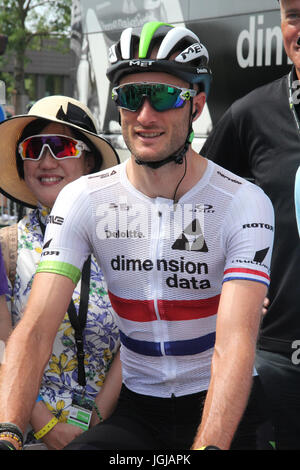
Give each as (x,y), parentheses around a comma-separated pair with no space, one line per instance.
(41,152)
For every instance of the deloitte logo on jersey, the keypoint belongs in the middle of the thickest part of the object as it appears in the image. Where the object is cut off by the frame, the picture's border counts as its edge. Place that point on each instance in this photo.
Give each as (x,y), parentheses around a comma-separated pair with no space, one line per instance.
(124,234)
(122,219)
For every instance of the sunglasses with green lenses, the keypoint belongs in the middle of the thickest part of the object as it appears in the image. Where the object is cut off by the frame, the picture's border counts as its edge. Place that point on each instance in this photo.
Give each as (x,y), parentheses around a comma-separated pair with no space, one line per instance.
(162,96)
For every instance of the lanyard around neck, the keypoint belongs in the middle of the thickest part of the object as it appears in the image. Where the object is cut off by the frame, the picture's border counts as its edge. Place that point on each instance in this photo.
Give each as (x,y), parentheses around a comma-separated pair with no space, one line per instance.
(78,322)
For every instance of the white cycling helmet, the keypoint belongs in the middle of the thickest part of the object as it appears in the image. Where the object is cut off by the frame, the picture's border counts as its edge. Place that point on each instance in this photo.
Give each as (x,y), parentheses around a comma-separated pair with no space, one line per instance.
(190,63)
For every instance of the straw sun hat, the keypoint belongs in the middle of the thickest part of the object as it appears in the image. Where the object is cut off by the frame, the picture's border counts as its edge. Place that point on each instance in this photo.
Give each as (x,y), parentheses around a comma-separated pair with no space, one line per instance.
(60,109)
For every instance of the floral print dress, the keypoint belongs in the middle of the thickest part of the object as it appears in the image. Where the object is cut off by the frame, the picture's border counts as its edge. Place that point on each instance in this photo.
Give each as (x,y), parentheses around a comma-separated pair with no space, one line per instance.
(101,336)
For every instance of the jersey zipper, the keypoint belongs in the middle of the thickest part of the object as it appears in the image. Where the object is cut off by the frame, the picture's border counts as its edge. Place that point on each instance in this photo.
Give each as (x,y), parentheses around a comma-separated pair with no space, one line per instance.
(156,276)
(163,221)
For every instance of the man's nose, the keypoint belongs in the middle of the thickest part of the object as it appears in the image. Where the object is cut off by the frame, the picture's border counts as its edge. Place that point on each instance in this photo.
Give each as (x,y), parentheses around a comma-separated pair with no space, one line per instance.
(146,113)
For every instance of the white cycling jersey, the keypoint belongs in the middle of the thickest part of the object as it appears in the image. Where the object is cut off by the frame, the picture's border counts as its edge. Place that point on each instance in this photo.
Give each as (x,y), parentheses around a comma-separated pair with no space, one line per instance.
(164,265)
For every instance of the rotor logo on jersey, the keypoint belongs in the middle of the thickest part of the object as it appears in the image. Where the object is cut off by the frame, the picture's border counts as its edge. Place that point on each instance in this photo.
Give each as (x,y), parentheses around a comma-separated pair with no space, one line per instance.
(191,239)
(51,253)
(259,225)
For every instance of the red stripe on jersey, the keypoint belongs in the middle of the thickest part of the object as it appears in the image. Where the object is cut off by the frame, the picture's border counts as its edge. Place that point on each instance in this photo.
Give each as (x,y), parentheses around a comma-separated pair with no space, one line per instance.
(170,310)
(177,310)
(135,310)
(249,271)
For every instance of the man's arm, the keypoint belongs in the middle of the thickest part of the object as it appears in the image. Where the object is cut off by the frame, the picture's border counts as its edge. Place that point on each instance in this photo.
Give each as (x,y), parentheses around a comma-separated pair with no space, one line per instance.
(30,345)
(238,321)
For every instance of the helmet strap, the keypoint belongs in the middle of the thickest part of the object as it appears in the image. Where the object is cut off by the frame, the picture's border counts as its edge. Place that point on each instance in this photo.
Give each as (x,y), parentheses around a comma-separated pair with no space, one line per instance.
(178,156)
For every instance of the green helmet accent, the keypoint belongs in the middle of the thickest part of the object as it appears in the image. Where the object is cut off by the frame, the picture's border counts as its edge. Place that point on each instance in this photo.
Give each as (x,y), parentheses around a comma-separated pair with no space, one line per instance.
(147,36)
(178,52)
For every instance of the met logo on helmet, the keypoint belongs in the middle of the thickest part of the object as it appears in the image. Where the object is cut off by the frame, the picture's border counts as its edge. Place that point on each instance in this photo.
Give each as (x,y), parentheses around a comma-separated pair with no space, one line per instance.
(141,63)
(191,52)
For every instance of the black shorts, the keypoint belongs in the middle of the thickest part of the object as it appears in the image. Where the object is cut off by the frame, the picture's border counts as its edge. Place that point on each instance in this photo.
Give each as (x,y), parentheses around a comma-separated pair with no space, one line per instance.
(142,422)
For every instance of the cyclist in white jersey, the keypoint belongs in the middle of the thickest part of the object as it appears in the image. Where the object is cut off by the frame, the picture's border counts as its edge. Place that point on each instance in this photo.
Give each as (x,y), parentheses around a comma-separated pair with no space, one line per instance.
(185,247)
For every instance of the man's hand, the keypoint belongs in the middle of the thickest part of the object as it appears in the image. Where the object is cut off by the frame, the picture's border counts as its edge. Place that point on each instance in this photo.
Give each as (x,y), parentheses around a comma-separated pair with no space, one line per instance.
(265,306)
(61,435)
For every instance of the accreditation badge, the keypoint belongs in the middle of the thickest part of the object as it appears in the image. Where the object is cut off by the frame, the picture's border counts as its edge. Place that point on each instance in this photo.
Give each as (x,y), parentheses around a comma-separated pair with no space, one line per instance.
(80,412)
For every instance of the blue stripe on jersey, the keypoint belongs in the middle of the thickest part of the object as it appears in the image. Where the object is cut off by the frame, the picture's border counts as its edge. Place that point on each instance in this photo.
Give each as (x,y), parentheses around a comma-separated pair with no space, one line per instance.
(172,348)
(266,283)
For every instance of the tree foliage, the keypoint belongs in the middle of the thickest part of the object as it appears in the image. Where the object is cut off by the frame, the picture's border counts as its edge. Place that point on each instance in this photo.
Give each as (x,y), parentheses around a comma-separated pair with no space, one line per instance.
(28,23)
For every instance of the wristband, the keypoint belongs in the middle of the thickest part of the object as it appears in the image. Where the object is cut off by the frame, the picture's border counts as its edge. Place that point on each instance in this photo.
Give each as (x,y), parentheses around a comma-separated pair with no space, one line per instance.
(98,412)
(6,445)
(13,436)
(12,428)
(42,432)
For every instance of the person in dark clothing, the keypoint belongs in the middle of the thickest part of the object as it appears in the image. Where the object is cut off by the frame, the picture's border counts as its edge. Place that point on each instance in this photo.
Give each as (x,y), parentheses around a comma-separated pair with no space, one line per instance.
(258,137)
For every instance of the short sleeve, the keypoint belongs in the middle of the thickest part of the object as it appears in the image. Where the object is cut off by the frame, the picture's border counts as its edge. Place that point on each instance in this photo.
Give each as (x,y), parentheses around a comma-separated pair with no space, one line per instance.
(66,241)
(248,236)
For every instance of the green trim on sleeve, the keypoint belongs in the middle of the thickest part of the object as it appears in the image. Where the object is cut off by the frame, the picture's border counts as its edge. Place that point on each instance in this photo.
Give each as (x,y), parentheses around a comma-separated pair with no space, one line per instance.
(58,267)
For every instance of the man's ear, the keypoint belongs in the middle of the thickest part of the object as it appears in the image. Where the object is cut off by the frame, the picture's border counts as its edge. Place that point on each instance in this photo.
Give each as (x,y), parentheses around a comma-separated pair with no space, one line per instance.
(198,105)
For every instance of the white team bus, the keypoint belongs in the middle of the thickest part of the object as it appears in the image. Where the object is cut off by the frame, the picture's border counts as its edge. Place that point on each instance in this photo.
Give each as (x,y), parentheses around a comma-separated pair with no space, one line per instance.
(243,39)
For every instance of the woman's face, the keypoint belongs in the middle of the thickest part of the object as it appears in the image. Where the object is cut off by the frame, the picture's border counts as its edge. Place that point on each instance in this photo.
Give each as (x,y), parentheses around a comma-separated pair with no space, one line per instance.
(46,177)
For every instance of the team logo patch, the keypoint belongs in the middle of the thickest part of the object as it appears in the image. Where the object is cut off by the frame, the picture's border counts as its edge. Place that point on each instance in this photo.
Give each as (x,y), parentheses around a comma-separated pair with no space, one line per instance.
(260,255)
(191,239)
